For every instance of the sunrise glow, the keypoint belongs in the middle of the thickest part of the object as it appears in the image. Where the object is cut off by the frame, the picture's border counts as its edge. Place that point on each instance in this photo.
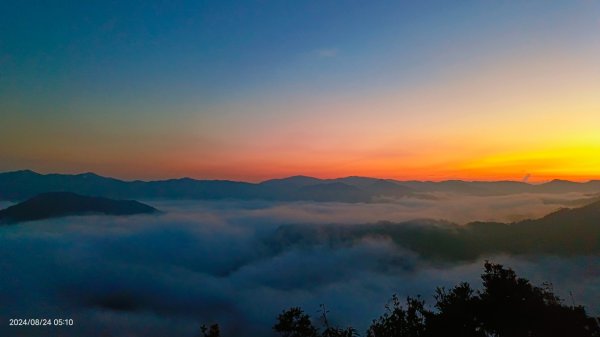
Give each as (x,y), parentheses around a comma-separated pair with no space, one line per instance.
(503,92)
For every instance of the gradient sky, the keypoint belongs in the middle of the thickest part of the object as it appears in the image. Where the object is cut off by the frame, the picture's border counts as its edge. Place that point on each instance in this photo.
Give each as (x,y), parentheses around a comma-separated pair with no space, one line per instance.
(427,90)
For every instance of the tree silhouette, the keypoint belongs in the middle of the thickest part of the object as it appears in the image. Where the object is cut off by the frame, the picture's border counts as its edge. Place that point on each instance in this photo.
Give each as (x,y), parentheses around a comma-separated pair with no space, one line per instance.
(213,331)
(506,306)
(511,306)
(400,322)
(295,323)
(331,331)
(457,315)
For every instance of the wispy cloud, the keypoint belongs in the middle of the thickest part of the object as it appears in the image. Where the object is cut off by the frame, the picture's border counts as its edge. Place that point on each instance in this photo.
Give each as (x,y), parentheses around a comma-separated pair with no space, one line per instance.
(326,52)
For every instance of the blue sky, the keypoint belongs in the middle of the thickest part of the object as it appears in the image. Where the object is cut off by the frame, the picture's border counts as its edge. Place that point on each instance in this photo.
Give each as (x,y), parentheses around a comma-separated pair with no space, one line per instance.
(140,70)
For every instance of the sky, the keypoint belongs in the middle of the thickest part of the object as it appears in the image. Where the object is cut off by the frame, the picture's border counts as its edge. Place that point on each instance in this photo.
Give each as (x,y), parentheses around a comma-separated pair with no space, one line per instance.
(252,90)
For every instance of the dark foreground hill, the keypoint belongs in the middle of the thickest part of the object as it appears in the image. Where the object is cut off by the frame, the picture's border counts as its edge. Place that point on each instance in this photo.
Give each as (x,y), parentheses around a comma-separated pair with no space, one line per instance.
(565,232)
(59,204)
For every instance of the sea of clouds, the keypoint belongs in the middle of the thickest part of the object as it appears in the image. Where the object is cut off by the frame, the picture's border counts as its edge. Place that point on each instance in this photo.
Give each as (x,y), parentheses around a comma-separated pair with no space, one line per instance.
(206,262)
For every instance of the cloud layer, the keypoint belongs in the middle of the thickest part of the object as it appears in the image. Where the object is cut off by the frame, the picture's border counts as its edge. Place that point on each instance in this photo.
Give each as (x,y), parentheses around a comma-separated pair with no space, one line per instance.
(206,262)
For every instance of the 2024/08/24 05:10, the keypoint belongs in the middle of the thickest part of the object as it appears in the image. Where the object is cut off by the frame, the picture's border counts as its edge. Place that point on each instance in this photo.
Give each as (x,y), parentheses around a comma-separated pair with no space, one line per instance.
(41,322)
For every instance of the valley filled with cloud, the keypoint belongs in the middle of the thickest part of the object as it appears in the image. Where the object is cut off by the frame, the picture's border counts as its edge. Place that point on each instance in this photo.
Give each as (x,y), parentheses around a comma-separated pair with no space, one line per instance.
(203,262)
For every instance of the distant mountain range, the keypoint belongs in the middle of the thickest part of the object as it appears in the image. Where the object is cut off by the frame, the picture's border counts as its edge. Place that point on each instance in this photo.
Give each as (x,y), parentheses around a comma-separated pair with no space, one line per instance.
(20,185)
(59,204)
(565,232)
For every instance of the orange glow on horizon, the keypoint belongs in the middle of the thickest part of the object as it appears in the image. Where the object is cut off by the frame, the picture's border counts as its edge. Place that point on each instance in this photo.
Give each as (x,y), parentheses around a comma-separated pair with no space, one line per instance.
(575,163)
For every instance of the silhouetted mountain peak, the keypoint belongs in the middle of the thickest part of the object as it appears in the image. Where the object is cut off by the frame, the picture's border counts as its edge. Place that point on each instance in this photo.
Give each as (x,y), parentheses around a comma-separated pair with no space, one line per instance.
(23,173)
(300,176)
(88,175)
(183,179)
(297,181)
(560,181)
(59,204)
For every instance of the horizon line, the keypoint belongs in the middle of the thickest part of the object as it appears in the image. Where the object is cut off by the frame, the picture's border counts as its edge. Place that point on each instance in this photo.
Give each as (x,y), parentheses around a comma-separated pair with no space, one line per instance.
(299,176)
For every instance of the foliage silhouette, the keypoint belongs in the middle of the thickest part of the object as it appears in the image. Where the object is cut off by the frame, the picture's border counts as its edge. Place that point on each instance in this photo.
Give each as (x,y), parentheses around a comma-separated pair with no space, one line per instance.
(213,331)
(511,306)
(397,321)
(295,323)
(457,313)
(331,331)
(506,306)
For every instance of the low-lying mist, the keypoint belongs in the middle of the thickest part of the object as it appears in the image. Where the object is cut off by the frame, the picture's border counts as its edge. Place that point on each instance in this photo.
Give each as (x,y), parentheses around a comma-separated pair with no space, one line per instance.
(446,206)
(205,262)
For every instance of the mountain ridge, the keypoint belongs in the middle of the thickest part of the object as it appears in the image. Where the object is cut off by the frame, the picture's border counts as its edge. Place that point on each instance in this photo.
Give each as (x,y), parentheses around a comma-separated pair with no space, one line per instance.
(23,184)
(566,232)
